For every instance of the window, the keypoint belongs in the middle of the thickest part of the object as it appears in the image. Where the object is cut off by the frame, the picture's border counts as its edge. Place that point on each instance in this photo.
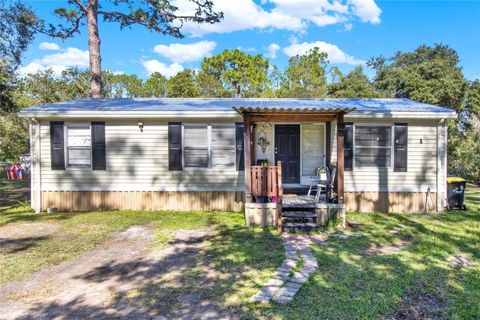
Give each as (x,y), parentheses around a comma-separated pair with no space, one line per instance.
(223,146)
(373,146)
(196,145)
(78,146)
(209,145)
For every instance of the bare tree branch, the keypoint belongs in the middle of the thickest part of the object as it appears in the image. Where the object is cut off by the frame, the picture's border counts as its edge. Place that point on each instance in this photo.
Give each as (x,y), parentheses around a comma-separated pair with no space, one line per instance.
(62,31)
(160,16)
(79,4)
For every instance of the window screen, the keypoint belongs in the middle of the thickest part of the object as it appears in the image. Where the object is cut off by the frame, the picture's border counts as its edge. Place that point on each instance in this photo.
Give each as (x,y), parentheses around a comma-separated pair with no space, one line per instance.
(223,146)
(196,145)
(79,146)
(373,146)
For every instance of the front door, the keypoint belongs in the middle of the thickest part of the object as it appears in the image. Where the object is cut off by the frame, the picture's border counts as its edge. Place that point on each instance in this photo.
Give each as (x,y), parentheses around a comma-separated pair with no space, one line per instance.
(287,150)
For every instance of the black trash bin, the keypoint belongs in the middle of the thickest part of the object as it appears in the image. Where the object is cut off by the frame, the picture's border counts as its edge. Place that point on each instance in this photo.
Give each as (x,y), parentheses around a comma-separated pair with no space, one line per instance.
(456,193)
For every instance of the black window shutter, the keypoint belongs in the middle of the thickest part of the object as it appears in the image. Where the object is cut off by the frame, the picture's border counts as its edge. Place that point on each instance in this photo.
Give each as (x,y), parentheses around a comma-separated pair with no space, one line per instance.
(239,146)
(348,146)
(174,146)
(57,150)
(99,161)
(400,147)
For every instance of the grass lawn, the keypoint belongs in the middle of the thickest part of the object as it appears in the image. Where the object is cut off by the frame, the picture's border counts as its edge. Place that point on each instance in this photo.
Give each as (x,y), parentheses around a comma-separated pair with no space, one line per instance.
(13,193)
(416,282)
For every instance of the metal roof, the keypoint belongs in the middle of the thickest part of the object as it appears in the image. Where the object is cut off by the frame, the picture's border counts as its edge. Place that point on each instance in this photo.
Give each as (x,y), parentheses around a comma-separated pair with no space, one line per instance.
(230,104)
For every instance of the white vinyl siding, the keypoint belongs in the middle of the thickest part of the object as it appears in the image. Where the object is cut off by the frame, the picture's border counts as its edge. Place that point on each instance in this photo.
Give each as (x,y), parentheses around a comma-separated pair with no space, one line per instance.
(223,146)
(136,161)
(78,145)
(196,148)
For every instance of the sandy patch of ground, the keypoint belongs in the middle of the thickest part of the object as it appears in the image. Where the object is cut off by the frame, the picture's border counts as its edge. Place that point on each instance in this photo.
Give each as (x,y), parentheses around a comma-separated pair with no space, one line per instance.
(420,306)
(122,278)
(459,261)
(387,249)
(20,236)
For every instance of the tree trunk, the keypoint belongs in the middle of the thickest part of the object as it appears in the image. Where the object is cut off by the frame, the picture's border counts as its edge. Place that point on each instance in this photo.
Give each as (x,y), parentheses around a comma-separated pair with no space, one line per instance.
(94,50)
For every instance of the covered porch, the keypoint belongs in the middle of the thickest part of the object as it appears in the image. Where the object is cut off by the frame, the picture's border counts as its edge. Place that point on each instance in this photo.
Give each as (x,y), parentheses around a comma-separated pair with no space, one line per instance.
(282,149)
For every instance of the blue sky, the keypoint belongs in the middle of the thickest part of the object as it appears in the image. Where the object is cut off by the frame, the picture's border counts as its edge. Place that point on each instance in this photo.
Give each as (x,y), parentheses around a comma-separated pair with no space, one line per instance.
(351,31)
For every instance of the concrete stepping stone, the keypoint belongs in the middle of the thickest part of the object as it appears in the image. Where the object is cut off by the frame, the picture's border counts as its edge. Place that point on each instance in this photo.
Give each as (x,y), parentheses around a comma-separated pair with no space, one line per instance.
(397,229)
(282,275)
(261,298)
(282,299)
(293,285)
(340,236)
(287,292)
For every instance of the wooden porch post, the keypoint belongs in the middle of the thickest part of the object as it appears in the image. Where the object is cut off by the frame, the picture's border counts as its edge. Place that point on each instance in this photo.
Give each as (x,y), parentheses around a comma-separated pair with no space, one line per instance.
(340,157)
(247,158)
(280,196)
(252,143)
(328,139)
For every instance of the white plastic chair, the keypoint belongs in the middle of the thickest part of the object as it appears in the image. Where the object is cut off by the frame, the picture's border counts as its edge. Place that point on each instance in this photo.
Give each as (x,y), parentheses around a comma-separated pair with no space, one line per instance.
(327,186)
(319,182)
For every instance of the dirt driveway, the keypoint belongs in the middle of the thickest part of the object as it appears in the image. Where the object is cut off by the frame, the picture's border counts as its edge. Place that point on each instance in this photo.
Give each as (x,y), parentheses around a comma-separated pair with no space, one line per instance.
(125,277)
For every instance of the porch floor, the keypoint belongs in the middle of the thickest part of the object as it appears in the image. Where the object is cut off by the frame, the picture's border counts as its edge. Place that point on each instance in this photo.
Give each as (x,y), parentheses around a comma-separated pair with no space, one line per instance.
(301,201)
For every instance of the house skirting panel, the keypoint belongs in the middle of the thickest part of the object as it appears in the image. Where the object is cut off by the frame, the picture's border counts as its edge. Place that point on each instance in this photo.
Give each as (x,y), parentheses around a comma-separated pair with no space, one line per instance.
(409,202)
(141,200)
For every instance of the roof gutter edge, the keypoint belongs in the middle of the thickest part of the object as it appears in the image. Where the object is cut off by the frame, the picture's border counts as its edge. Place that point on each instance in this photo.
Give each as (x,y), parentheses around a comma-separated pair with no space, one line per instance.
(403,114)
(129,114)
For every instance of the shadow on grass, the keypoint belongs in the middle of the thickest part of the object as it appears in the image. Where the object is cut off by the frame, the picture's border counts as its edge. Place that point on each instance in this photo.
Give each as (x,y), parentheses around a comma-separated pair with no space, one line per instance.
(25,214)
(210,279)
(9,246)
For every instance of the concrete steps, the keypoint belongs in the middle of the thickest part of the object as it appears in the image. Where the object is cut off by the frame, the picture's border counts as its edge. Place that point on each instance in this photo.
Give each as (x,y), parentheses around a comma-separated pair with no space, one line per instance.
(300,227)
(299,215)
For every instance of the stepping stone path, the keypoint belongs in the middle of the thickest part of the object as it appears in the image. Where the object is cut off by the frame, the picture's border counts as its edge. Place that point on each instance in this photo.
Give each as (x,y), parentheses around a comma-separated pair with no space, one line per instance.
(285,284)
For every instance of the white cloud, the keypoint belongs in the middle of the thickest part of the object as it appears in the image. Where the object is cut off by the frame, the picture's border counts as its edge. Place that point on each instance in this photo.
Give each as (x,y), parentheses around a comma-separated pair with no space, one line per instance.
(366,10)
(69,57)
(58,62)
(178,52)
(272,50)
(156,66)
(238,15)
(48,46)
(348,27)
(335,54)
(247,49)
(293,15)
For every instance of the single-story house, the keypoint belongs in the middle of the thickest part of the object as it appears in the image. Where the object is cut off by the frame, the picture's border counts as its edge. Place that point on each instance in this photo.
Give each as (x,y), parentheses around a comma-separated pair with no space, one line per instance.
(202,154)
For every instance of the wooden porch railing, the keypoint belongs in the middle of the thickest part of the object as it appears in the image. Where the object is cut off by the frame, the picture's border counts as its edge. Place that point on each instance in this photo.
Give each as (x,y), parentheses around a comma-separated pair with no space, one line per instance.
(267,182)
(264,181)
